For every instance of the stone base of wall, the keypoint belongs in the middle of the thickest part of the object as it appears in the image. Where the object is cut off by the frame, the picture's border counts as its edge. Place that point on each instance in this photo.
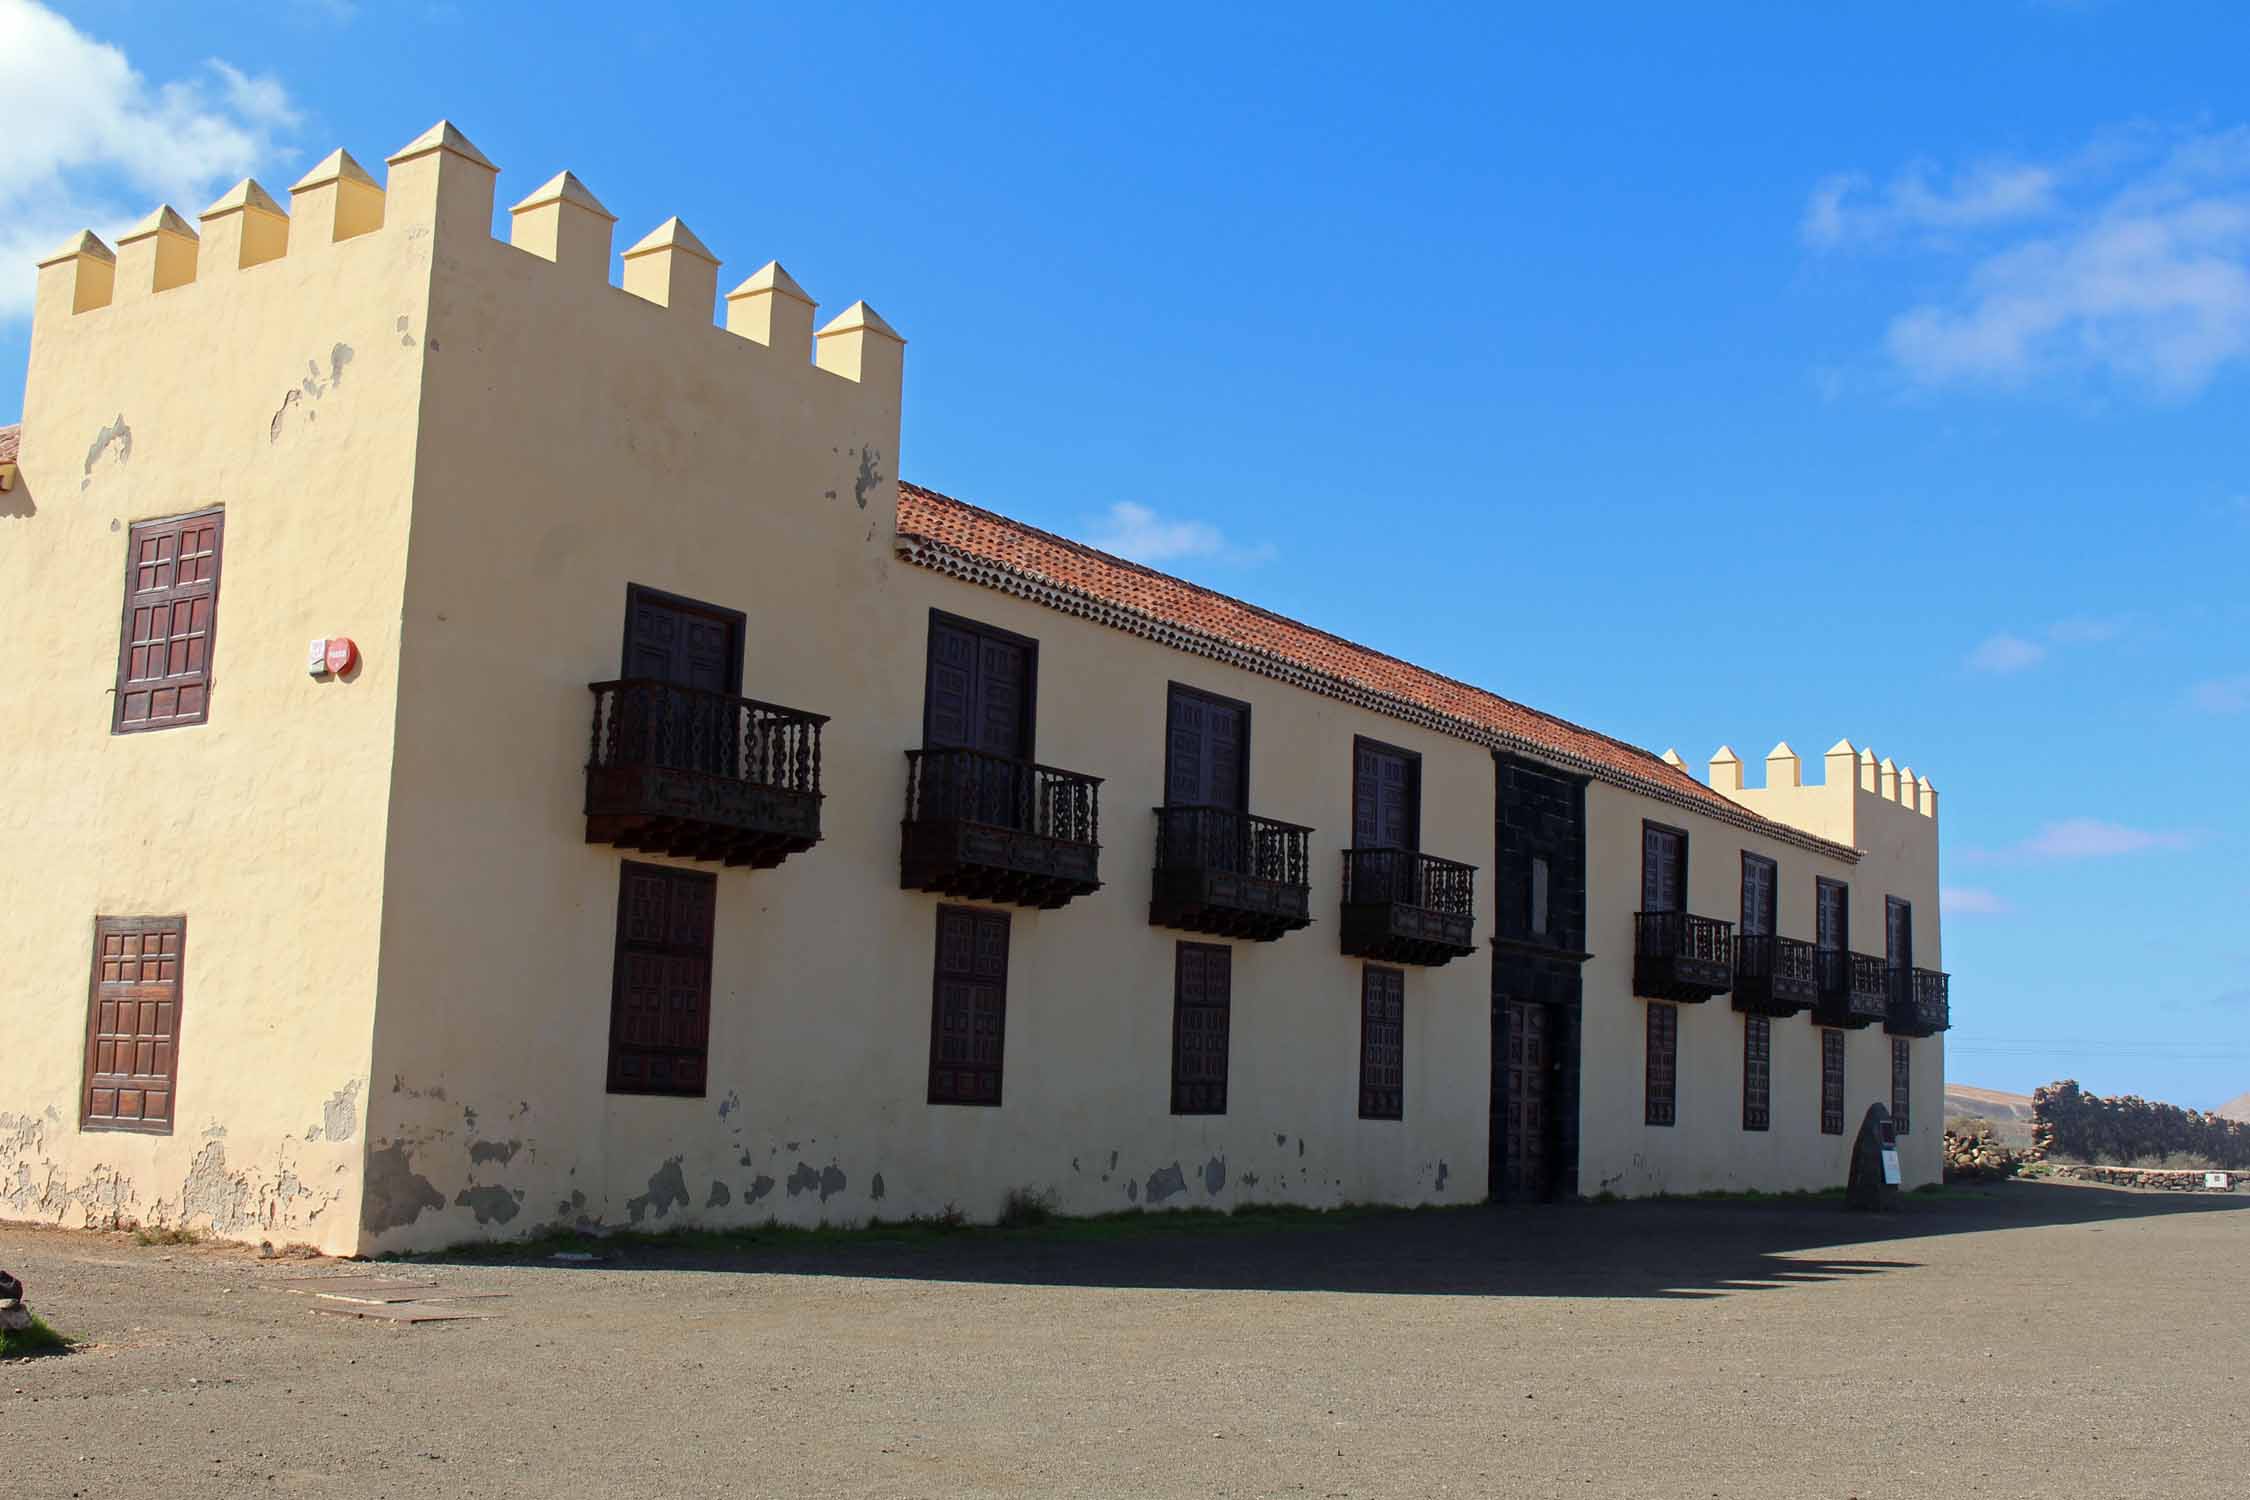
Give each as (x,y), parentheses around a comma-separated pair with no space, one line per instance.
(2164,1179)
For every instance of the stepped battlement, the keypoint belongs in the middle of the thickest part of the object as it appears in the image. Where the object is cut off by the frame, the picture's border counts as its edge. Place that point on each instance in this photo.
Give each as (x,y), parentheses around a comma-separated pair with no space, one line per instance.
(440,186)
(1856,794)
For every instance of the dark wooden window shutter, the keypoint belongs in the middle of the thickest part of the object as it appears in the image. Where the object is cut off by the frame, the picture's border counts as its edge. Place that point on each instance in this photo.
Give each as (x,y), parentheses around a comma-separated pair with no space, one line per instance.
(1382,1044)
(171,612)
(1663,1063)
(1202,991)
(969,1006)
(1831,1082)
(133,1025)
(1760,895)
(1902,1084)
(1757,1072)
(660,995)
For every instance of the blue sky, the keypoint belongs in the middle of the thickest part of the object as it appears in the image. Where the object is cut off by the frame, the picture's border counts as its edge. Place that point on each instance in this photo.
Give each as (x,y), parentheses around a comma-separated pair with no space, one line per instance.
(1717,373)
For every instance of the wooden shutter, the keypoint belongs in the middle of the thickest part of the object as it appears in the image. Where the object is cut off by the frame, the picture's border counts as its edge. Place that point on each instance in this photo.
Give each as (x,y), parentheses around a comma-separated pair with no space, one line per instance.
(978,694)
(1757,1072)
(1663,869)
(1902,1084)
(1832,932)
(1760,896)
(1831,1082)
(1386,797)
(133,1025)
(171,611)
(660,994)
(969,1006)
(1382,1044)
(1898,933)
(1663,1063)
(1203,750)
(1202,991)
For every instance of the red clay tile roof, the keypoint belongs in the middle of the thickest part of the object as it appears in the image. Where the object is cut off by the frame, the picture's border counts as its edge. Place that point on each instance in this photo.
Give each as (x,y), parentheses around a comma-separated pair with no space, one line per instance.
(10,436)
(952,536)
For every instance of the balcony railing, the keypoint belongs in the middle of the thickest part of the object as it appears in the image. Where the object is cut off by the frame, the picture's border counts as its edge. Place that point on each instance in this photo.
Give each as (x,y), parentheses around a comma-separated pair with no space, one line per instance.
(1403,906)
(1679,956)
(1921,1002)
(1773,976)
(1854,988)
(701,775)
(993,828)
(1230,874)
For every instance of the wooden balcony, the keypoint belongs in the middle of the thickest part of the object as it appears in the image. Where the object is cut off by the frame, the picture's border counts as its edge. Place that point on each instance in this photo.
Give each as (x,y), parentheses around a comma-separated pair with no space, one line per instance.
(1681,957)
(1921,1002)
(702,775)
(1854,989)
(1405,907)
(1773,976)
(1229,874)
(992,828)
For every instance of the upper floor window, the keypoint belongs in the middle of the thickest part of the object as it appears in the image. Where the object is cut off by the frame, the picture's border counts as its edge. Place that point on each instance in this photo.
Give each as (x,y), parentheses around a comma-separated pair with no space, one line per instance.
(1663,868)
(1898,933)
(171,609)
(1386,796)
(1760,895)
(982,689)
(1206,751)
(1832,926)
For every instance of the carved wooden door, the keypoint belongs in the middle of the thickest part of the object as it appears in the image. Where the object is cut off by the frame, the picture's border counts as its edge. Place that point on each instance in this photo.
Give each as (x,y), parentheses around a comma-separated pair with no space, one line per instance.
(978,697)
(1386,814)
(1524,1153)
(676,644)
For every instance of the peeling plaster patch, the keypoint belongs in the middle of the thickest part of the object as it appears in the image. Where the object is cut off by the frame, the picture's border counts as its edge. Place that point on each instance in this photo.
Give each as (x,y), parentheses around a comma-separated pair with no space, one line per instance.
(803,1180)
(667,1189)
(502,1152)
(875,1188)
(1249,1179)
(338,357)
(1074,1164)
(116,435)
(1113,1161)
(792,1145)
(831,1181)
(493,1205)
(720,1197)
(1300,1148)
(395,1193)
(405,339)
(760,1185)
(1163,1184)
(289,398)
(468,1118)
(340,1115)
(746,1161)
(1214,1175)
(104,1195)
(1282,1139)
(210,1190)
(1443,1172)
(867,478)
(731,1103)
(212,1132)
(1132,1191)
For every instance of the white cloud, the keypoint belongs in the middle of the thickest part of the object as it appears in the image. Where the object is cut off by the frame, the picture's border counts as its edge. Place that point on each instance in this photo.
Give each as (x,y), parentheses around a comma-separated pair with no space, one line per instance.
(2121,260)
(2005,653)
(90,143)
(2082,838)
(2223,695)
(2087,630)
(1847,209)
(1136,532)
(1971,901)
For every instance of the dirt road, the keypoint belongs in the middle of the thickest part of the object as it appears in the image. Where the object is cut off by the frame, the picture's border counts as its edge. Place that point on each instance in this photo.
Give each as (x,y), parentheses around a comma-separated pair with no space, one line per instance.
(2040,1339)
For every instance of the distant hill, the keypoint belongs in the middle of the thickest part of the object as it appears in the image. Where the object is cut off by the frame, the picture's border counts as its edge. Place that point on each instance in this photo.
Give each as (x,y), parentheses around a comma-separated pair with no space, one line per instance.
(2010,1114)
(2237,1109)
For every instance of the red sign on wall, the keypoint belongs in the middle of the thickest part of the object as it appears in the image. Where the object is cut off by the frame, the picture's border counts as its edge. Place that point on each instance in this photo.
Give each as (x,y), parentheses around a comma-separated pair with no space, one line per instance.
(343,655)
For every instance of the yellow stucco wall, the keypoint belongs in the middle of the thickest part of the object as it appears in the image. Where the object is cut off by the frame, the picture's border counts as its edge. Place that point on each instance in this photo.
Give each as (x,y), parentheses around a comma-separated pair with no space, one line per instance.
(286,393)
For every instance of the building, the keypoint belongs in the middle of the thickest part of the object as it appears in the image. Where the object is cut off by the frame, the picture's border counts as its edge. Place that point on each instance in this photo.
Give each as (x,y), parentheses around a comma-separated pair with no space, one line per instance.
(674,818)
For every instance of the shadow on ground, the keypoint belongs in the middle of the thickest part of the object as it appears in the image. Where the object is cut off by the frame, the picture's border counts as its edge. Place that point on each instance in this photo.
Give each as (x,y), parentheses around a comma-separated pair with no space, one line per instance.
(1648,1249)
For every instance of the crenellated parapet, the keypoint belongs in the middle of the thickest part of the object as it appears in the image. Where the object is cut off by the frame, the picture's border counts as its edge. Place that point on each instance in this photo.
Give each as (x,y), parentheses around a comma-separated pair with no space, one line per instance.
(1854,788)
(440,187)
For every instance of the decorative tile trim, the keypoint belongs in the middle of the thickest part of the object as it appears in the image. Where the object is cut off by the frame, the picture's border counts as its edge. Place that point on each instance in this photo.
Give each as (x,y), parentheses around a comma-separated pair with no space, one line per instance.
(939,557)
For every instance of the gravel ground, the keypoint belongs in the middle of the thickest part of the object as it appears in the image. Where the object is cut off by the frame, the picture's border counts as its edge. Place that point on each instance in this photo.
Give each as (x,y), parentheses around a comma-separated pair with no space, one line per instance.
(2028,1340)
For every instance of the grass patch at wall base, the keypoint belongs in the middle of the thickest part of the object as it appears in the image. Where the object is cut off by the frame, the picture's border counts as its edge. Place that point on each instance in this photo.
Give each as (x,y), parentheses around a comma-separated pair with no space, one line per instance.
(23,1343)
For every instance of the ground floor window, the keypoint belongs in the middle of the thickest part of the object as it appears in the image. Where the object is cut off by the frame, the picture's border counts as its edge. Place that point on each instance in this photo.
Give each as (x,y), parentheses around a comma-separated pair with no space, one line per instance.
(133,1024)
(1902,1084)
(969,1006)
(1757,1073)
(1831,1082)
(1382,1043)
(1663,1063)
(1202,985)
(660,990)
